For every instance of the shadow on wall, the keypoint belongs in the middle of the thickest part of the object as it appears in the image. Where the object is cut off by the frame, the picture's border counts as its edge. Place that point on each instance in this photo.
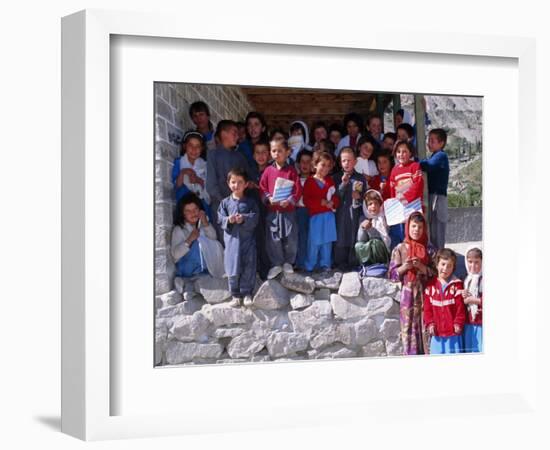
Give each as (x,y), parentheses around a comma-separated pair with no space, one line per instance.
(464,225)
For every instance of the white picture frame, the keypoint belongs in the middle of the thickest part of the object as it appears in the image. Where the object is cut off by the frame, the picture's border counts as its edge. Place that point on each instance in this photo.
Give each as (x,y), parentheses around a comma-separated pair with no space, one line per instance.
(90,324)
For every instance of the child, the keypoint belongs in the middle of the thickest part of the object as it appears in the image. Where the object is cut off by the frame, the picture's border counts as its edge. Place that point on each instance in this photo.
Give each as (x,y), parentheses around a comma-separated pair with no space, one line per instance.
(405,132)
(238,217)
(473,298)
(190,169)
(374,128)
(335,134)
(298,139)
(321,202)
(200,116)
(411,264)
(443,306)
(319,131)
(353,123)
(381,182)
(256,129)
(366,165)
(350,188)
(303,163)
(389,141)
(261,156)
(281,226)
(373,242)
(220,161)
(406,183)
(437,168)
(190,222)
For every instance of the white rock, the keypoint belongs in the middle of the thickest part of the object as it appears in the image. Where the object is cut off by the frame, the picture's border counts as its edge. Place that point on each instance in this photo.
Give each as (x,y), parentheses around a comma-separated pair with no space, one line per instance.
(330,280)
(190,328)
(171,298)
(348,307)
(317,315)
(377,287)
(390,329)
(335,332)
(350,285)
(379,306)
(170,311)
(376,348)
(214,290)
(301,301)
(334,351)
(366,330)
(271,295)
(271,320)
(180,352)
(246,345)
(230,332)
(322,294)
(193,305)
(394,347)
(281,344)
(223,314)
(299,283)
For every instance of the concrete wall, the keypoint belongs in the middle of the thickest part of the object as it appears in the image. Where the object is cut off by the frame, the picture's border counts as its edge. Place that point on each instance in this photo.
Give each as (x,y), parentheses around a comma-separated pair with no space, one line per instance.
(465,225)
(172,103)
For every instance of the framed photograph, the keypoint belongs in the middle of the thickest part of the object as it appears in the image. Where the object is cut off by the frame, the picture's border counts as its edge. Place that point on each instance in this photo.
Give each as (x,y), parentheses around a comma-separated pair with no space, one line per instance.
(124,76)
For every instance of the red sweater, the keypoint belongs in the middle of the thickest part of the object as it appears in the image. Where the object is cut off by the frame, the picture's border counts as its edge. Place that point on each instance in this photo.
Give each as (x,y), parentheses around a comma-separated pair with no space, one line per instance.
(267,185)
(313,194)
(375,183)
(407,179)
(444,309)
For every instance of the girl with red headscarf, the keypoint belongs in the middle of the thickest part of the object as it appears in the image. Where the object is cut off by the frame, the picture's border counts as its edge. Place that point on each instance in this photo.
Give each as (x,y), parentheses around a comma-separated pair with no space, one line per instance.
(411,263)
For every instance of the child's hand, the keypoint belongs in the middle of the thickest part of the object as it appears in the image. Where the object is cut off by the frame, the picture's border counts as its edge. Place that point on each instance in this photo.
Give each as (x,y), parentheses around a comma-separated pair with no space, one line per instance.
(465,293)
(356,195)
(232,218)
(382,186)
(324,202)
(366,224)
(284,203)
(457,328)
(345,178)
(193,236)
(239,218)
(407,265)
(431,329)
(273,202)
(330,205)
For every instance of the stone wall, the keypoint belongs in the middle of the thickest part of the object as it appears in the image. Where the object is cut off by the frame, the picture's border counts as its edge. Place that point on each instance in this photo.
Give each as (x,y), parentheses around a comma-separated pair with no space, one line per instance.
(172,103)
(293,317)
(464,225)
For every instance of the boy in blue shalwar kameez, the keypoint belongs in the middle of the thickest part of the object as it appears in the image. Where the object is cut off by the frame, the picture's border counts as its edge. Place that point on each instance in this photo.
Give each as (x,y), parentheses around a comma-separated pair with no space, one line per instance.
(238,217)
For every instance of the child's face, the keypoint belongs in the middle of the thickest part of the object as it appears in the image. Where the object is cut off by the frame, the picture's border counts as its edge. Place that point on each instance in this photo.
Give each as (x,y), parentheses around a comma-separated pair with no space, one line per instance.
(434,144)
(398,120)
(319,134)
(254,128)
(335,137)
(347,160)
(373,207)
(402,135)
(279,153)
(445,268)
(237,185)
(402,154)
(384,166)
(297,132)
(305,165)
(261,154)
(375,127)
(200,119)
(229,137)
(352,128)
(323,167)
(387,143)
(474,264)
(241,132)
(191,213)
(366,150)
(415,230)
(193,149)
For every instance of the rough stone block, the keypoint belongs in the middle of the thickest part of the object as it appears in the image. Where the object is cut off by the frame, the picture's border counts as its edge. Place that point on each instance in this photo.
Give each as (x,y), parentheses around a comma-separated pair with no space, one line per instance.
(379,306)
(282,344)
(319,314)
(377,287)
(166,152)
(299,301)
(335,332)
(271,295)
(271,320)
(246,345)
(350,285)
(390,329)
(170,311)
(394,347)
(170,298)
(164,110)
(181,352)
(348,307)
(193,305)
(214,290)
(163,283)
(366,331)
(332,352)
(223,314)
(160,129)
(228,332)
(179,284)
(190,328)
(322,294)
(299,283)
(376,348)
(330,280)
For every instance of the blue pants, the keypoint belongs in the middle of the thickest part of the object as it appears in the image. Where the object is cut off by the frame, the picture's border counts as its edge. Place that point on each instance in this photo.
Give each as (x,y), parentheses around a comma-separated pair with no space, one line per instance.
(243,284)
(473,338)
(191,263)
(440,345)
(302,217)
(318,256)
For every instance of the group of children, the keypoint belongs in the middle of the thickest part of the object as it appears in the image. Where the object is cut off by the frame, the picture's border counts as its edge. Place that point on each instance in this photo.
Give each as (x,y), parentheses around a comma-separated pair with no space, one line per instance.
(282,202)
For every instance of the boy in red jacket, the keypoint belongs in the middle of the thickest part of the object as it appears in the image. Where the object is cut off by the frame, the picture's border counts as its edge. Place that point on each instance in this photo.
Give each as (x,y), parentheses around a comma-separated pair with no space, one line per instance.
(444,313)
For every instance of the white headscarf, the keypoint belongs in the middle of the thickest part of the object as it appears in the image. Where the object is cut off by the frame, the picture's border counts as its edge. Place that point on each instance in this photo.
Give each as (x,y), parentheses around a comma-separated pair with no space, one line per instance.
(473,282)
(378,221)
